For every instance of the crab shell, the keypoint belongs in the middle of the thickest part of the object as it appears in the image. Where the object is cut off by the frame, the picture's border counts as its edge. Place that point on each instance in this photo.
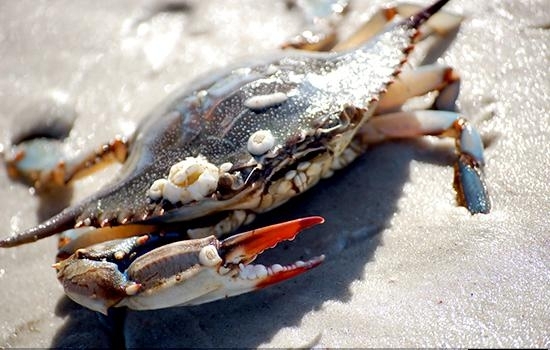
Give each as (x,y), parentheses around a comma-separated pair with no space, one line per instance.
(251,137)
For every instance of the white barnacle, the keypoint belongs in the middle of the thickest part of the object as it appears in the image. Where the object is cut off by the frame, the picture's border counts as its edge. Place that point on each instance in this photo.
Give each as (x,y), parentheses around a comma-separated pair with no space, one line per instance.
(208,256)
(225,167)
(265,101)
(260,142)
(189,180)
(156,190)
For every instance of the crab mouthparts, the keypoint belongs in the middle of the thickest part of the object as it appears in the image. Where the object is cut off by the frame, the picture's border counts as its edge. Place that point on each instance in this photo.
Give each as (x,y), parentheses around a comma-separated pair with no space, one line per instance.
(240,250)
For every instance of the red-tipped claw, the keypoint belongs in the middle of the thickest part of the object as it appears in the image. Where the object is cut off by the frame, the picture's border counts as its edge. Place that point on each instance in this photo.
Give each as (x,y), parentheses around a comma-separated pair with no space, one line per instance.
(186,272)
(243,248)
(224,268)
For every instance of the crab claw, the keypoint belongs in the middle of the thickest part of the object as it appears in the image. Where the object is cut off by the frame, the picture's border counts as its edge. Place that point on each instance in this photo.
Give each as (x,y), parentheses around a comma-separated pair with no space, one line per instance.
(240,250)
(205,270)
(188,272)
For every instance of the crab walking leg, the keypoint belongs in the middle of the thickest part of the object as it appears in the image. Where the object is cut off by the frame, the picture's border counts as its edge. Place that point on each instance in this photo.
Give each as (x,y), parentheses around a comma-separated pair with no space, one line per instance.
(440,23)
(320,32)
(469,180)
(419,81)
(43,162)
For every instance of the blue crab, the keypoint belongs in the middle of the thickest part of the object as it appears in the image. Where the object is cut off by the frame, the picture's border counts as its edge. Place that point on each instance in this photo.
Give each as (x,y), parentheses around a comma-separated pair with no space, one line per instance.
(237,143)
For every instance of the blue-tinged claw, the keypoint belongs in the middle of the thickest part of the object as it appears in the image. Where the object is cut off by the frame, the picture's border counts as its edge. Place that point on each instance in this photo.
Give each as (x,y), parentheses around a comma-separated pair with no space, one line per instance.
(471,186)
(469,183)
(46,161)
(471,143)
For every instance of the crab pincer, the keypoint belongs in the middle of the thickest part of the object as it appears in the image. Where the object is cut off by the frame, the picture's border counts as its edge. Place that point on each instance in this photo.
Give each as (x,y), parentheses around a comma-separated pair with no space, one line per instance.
(147,273)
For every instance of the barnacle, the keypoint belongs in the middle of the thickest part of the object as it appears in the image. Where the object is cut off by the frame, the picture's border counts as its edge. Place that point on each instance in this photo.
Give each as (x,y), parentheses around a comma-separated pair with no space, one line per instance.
(189,180)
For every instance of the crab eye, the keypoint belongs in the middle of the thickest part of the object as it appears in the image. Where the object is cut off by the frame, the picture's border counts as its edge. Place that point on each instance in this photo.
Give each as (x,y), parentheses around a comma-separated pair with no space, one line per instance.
(208,256)
(260,142)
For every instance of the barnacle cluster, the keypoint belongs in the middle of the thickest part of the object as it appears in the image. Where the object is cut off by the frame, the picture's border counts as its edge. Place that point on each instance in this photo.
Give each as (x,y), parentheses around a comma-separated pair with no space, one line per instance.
(189,180)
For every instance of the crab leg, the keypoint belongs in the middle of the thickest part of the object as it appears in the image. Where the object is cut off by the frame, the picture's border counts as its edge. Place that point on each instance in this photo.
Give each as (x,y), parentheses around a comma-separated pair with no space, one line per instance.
(43,162)
(469,180)
(322,19)
(440,23)
(419,81)
(146,272)
(322,36)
